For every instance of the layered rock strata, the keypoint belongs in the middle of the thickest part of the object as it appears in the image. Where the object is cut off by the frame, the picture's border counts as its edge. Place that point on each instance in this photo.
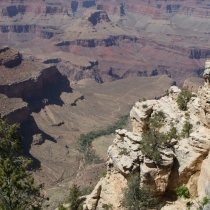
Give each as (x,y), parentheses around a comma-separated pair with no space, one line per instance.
(27,86)
(184,160)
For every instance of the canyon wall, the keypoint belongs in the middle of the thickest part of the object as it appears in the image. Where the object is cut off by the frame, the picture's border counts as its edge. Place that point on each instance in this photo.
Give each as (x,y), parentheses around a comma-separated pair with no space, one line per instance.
(127,39)
(183,160)
(27,87)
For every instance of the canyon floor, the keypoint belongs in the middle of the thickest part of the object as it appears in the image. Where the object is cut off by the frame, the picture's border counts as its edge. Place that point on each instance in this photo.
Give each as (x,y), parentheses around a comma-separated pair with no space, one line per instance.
(112,53)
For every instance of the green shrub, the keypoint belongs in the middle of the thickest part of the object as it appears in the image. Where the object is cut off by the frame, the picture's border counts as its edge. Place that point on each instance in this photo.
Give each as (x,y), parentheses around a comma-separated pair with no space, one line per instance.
(183,192)
(153,139)
(150,144)
(172,134)
(183,98)
(144,106)
(171,91)
(187,115)
(136,197)
(107,206)
(161,115)
(102,174)
(187,129)
(123,151)
(74,194)
(61,207)
(75,200)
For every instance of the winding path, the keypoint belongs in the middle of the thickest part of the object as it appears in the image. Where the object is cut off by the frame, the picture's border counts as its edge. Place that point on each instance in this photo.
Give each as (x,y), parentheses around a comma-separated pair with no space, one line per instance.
(117,99)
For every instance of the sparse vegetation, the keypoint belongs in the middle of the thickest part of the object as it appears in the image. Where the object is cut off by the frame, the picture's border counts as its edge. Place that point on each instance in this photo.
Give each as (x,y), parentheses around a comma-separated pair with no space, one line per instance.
(85,140)
(74,194)
(144,106)
(153,139)
(123,151)
(142,99)
(187,129)
(107,206)
(183,192)
(183,98)
(75,200)
(136,197)
(172,134)
(102,174)
(61,207)
(171,91)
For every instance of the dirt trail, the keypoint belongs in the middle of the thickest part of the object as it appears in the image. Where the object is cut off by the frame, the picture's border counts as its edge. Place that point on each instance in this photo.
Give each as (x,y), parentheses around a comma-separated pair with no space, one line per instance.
(117,99)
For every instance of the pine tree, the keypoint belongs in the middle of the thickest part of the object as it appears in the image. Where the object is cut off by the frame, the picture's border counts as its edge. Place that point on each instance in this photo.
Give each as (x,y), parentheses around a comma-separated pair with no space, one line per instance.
(138,198)
(74,194)
(17,188)
(183,98)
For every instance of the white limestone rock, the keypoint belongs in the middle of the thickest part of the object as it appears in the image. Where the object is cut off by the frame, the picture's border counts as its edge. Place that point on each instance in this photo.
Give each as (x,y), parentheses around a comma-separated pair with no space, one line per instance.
(184,162)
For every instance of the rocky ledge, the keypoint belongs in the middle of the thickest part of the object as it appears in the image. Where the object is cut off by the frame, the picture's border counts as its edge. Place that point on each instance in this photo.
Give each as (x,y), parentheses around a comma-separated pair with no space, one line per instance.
(26,87)
(183,161)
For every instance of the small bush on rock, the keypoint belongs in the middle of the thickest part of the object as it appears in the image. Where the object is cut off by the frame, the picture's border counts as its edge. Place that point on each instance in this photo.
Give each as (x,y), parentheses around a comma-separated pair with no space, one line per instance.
(153,139)
(123,151)
(107,206)
(183,98)
(144,106)
(138,198)
(183,192)
(187,129)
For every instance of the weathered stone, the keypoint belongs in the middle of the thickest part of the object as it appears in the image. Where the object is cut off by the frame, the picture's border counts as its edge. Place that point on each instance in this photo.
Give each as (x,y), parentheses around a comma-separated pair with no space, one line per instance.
(183,162)
(37,139)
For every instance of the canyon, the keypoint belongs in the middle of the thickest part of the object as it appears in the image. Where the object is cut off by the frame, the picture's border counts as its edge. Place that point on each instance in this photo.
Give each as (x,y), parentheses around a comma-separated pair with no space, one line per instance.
(53,113)
(110,40)
(184,159)
(69,67)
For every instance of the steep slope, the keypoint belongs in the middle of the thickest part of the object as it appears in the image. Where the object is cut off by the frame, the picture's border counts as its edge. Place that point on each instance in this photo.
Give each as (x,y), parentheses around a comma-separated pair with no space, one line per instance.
(183,161)
(27,87)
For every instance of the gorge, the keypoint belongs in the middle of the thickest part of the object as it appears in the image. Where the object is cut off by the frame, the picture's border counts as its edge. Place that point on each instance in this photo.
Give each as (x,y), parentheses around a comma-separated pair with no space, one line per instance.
(69,67)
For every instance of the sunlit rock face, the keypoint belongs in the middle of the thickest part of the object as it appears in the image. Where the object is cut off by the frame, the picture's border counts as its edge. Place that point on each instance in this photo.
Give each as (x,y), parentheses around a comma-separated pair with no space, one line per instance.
(184,162)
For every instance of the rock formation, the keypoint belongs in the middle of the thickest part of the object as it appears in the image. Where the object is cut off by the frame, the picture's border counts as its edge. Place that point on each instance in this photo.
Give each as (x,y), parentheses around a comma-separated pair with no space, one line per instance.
(26,87)
(135,38)
(184,160)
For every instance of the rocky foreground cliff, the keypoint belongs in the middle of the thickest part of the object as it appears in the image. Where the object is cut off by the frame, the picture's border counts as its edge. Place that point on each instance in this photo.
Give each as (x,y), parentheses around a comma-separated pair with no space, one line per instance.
(184,161)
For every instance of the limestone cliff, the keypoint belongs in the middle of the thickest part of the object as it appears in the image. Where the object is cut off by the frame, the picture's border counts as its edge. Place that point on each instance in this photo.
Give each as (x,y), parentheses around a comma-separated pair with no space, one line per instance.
(184,160)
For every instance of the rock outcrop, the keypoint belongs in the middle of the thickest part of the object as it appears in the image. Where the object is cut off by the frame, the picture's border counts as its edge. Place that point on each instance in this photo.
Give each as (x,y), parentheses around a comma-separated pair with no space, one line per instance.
(27,80)
(183,161)
(25,87)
